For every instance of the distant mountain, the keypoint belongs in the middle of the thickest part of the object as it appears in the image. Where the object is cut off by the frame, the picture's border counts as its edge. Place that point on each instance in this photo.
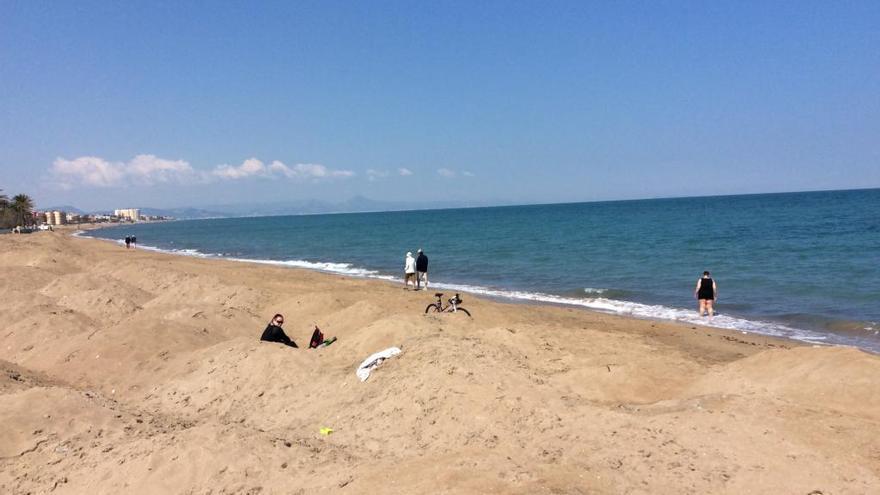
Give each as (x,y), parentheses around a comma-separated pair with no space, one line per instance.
(313,206)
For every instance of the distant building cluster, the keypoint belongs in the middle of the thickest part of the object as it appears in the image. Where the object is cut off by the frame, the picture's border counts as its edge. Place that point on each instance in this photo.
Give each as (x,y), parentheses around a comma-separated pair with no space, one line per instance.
(130,214)
(57,217)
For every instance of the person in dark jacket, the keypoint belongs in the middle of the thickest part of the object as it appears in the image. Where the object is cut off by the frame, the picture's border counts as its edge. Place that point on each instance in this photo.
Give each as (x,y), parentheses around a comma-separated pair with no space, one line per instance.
(274,333)
(421,270)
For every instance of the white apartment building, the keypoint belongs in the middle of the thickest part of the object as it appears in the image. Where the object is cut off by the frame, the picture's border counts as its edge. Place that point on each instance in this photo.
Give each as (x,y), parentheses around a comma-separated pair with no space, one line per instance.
(133,214)
(58,217)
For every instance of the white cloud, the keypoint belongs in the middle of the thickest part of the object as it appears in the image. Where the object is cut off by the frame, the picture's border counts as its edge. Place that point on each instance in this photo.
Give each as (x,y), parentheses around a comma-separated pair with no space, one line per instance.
(146,170)
(279,167)
(314,170)
(451,174)
(250,167)
(255,168)
(88,170)
(98,172)
(376,174)
(149,169)
(373,174)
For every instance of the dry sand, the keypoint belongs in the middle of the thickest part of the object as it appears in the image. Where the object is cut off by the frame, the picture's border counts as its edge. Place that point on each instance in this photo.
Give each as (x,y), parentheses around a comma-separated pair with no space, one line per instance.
(137,372)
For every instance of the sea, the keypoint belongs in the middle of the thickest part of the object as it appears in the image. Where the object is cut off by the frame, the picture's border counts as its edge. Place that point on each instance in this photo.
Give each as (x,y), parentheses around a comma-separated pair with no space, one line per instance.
(804,266)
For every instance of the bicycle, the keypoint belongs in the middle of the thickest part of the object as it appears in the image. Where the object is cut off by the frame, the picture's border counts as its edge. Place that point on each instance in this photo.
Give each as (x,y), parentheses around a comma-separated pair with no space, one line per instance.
(452,307)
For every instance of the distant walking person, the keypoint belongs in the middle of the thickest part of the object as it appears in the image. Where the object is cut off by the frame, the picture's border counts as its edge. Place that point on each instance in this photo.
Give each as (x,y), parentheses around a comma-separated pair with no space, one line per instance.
(421,270)
(134,242)
(707,293)
(127,241)
(409,270)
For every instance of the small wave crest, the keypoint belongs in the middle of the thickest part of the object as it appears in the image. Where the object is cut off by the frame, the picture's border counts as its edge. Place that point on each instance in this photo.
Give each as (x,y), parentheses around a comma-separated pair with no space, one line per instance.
(650,312)
(339,268)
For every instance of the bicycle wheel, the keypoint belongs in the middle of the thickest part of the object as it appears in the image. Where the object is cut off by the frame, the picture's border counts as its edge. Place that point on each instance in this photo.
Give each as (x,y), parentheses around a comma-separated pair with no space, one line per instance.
(462,310)
(432,308)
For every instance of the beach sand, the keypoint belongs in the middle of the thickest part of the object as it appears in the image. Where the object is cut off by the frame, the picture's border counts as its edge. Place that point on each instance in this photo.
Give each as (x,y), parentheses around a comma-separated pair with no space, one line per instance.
(129,371)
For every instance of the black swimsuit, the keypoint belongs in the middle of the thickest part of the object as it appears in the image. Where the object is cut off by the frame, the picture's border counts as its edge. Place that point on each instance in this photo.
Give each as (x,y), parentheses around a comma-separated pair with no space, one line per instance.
(707,290)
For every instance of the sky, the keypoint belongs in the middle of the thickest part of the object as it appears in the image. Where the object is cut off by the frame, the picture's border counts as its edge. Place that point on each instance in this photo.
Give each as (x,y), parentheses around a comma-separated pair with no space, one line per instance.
(167,104)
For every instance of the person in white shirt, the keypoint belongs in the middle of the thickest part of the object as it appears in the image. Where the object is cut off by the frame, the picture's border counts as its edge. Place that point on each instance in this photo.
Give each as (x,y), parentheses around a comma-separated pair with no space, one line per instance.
(409,270)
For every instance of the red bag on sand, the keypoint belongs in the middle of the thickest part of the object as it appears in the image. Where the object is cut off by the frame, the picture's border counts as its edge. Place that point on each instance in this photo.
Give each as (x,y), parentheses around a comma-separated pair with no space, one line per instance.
(317,338)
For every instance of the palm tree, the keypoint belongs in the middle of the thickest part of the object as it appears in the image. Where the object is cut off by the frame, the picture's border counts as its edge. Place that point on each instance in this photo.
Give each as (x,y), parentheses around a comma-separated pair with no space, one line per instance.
(4,210)
(22,207)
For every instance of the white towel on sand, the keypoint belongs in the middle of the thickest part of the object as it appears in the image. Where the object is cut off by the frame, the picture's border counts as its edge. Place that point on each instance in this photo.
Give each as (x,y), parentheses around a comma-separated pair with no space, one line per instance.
(363,371)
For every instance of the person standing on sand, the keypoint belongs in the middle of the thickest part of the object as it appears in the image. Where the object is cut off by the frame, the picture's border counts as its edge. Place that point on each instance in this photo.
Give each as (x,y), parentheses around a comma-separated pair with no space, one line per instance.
(127,241)
(274,333)
(134,242)
(409,270)
(707,293)
(421,270)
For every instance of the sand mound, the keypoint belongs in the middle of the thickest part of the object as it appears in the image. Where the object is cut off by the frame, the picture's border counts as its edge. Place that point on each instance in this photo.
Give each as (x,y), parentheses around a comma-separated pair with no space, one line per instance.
(45,336)
(47,415)
(46,251)
(840,379)
(111,305)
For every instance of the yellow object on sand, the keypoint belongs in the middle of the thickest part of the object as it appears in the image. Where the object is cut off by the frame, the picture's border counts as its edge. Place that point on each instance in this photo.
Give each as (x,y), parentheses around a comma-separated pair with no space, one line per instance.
(326,431)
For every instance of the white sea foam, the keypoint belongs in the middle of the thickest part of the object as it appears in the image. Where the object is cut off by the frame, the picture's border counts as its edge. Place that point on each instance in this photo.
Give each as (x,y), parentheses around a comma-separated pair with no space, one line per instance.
(613,306)
(339,268)
(146,247)
(647,311)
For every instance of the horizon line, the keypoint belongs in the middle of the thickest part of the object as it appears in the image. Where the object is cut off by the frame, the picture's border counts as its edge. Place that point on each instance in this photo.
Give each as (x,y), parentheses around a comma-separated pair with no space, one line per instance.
(497,205)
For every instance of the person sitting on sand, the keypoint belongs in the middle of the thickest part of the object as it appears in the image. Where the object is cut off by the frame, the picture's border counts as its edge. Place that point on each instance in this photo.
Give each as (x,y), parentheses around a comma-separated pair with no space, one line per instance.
(274,332)
(707,293)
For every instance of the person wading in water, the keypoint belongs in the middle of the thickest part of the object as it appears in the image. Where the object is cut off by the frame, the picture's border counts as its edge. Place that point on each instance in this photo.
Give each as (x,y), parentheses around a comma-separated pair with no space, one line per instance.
(707,293)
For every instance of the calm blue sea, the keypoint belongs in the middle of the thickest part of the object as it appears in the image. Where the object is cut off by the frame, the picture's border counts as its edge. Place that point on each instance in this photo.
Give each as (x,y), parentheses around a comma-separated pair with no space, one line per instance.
(800,265)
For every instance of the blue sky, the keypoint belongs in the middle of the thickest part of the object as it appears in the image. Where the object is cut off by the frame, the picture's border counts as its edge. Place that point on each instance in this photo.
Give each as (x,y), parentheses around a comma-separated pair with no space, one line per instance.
(110,104)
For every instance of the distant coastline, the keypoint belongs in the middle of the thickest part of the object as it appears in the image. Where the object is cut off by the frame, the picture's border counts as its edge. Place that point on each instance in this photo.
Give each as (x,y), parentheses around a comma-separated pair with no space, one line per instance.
(322,208)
